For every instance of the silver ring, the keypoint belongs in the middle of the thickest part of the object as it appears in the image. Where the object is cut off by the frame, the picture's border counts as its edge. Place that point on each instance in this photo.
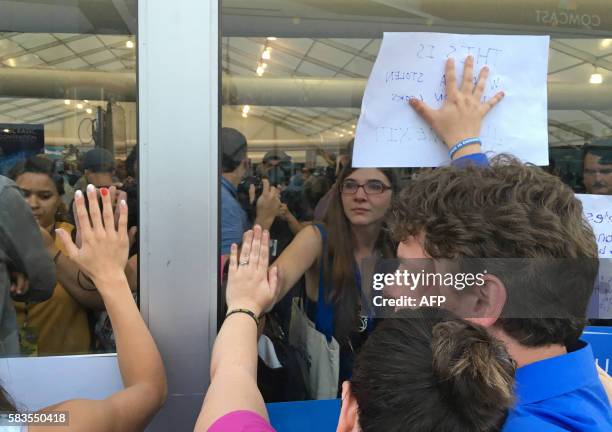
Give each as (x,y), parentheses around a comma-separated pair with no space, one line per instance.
(243,263)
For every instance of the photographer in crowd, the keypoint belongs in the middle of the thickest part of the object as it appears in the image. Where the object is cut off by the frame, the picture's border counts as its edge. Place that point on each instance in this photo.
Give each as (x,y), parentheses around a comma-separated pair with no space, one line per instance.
(235,166)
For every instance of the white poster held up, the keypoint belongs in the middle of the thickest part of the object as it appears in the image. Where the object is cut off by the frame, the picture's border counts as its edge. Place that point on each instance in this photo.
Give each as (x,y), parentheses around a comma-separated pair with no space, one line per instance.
(391,134)
(597,211)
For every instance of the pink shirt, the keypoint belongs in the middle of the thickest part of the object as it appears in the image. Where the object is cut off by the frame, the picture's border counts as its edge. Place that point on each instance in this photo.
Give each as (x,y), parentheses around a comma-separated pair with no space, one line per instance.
(241,421)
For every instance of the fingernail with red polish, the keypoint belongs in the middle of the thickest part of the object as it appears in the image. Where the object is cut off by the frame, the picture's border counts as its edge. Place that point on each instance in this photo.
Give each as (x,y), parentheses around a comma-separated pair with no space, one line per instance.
(104,191)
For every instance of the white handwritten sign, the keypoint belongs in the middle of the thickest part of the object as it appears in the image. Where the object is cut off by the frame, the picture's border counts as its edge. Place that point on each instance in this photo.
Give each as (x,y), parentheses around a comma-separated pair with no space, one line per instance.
(598,212)
(391,134)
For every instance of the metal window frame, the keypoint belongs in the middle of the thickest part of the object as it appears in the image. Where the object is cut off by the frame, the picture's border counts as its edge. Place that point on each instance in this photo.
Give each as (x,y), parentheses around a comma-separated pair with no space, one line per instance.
(178,127)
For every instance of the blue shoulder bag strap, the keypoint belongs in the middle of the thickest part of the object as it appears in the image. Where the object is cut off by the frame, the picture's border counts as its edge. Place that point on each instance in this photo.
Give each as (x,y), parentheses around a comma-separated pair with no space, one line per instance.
(324,321)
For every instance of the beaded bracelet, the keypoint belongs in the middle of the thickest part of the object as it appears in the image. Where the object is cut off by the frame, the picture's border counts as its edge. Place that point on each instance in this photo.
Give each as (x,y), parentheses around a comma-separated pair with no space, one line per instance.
(244,311)
(464,143)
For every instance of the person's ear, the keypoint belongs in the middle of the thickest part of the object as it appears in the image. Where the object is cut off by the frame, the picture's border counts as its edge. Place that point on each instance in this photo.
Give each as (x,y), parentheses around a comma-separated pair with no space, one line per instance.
(349,416)
(490,299)
(245,164)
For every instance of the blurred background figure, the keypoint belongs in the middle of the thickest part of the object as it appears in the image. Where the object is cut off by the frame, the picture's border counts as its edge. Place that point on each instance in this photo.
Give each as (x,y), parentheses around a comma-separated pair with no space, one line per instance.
(276,166)
(26,270)
(235,167)
(597,167)
(60,324)
(99,169)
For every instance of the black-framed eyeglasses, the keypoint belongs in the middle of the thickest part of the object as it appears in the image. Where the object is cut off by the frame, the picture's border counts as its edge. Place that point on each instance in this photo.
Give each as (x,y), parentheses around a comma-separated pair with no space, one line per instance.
(371,187)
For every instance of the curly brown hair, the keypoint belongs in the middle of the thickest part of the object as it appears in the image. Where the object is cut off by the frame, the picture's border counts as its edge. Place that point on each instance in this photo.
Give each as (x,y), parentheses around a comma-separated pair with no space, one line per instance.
(509,210)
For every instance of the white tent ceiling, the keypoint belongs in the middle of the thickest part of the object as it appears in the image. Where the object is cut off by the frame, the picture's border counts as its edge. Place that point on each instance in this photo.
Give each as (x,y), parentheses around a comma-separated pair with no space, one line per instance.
(54,51)
(571,61)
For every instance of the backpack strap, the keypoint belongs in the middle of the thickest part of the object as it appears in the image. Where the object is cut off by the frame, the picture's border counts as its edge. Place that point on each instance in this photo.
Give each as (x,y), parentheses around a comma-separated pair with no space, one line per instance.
(324,321)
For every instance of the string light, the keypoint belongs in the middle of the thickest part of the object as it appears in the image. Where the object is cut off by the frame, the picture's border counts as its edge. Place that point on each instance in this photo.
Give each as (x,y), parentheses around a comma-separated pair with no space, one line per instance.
(262,65)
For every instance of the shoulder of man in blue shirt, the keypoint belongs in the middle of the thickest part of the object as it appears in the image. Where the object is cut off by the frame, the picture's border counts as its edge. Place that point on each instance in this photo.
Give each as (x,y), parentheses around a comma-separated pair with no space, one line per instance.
(234,220)
(563,393)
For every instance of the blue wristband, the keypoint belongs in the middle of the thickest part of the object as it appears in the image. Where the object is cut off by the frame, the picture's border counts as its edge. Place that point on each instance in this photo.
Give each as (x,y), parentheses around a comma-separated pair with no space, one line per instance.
(464,143)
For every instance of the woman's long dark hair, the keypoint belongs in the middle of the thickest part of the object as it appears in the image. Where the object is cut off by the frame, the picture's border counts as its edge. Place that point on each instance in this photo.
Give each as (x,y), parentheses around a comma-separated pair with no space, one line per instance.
(339,264)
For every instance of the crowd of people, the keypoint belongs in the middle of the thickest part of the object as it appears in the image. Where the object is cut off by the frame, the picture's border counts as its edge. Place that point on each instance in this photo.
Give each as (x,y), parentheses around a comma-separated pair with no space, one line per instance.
(496,357)
(72,319)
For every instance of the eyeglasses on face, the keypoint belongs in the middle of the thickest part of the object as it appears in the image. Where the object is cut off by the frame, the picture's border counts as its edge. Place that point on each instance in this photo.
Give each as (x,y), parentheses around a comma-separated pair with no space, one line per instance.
(371,187)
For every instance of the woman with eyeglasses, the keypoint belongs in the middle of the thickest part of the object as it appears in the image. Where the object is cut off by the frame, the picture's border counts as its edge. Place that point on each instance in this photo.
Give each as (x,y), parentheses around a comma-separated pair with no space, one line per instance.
(329,254)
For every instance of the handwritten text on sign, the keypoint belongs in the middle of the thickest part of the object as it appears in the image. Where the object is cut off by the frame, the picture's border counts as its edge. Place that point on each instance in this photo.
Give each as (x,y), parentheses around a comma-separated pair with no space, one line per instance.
(411,65)
(598,213)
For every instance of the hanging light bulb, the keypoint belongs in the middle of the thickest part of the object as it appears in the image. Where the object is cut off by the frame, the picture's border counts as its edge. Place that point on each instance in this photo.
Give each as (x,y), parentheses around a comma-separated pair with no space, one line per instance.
(260,70)
(246,109)
(265,55)
(596,77)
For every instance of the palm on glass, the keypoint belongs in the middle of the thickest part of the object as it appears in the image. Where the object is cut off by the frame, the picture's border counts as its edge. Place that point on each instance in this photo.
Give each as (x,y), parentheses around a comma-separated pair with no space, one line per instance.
(104,241)
(463,111)
(116,197)
(251,285)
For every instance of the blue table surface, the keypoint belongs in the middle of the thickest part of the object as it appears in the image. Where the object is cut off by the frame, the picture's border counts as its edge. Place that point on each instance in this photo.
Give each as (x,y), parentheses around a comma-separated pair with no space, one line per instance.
(305,416)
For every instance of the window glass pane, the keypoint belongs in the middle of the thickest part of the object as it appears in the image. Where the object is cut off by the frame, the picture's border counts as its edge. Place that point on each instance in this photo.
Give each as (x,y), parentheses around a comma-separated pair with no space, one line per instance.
(293,75)
(68,118)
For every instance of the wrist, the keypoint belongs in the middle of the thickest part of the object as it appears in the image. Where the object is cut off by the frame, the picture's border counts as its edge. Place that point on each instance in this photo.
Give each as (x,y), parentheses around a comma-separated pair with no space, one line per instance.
(467,151)
(464,147)
(264,220)
(108,280)
(253,307)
